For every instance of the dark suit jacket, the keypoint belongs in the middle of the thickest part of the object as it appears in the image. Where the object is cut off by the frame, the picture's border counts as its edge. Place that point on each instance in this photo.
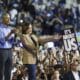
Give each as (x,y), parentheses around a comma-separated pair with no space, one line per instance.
(69,76)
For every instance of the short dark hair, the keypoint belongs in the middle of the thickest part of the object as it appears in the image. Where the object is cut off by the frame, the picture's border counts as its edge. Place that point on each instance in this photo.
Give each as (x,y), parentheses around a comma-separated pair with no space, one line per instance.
(5,14)
(25,27)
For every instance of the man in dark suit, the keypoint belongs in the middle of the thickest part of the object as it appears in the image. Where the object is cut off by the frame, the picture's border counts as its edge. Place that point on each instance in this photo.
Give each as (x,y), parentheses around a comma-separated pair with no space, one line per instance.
(73,74)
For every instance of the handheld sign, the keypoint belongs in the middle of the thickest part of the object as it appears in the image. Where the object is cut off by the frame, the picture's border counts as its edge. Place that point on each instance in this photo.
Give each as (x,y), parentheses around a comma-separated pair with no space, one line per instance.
(69,40)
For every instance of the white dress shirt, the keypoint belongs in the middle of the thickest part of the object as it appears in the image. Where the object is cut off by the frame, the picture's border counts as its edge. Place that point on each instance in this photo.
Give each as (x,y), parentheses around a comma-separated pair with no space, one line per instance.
(4,31)
(76,75)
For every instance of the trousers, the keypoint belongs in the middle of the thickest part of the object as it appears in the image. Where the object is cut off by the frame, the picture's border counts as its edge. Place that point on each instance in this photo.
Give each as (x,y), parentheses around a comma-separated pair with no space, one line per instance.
(5,64)
(31,71)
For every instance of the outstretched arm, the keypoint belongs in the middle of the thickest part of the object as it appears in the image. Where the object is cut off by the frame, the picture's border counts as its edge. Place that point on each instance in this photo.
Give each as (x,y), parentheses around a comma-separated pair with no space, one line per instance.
(48,38)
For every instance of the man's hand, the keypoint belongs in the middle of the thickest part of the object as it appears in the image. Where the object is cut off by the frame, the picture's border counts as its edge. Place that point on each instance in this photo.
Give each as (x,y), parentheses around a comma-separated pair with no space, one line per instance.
(13,30)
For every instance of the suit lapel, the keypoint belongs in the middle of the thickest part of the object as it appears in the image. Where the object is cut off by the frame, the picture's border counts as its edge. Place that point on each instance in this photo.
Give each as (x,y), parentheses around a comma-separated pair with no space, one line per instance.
(72,76)
(79,74)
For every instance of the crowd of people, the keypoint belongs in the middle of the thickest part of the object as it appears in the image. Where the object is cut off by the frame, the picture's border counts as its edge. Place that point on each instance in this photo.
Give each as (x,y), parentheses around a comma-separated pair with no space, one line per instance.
(31,40)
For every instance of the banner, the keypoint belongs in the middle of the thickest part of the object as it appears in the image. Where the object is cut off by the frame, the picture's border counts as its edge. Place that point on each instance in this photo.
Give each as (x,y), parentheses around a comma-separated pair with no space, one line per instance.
(69,40)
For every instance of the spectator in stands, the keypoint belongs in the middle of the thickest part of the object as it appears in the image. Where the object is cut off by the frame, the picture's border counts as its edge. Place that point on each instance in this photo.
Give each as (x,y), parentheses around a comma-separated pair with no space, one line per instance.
(56,75)
(73,74)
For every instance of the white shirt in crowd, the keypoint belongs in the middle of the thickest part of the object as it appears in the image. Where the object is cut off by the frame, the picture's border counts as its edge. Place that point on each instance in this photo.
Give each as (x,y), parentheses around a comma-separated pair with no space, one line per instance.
(76,75)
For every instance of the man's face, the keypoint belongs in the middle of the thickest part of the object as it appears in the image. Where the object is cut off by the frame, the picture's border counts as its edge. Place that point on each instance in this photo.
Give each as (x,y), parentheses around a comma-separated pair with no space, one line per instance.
(6,19)
(74,65)
(29,29)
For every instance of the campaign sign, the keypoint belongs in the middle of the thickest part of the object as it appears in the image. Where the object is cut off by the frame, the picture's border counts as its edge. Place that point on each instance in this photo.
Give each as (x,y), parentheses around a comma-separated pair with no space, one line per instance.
(69,39)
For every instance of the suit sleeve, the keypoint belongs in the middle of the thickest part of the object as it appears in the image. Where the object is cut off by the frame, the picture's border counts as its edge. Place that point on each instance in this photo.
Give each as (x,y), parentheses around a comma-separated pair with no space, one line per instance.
(65,76)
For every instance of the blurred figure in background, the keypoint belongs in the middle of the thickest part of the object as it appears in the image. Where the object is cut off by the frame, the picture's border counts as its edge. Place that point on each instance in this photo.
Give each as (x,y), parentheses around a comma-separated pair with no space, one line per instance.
(56,75)
(74,73)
